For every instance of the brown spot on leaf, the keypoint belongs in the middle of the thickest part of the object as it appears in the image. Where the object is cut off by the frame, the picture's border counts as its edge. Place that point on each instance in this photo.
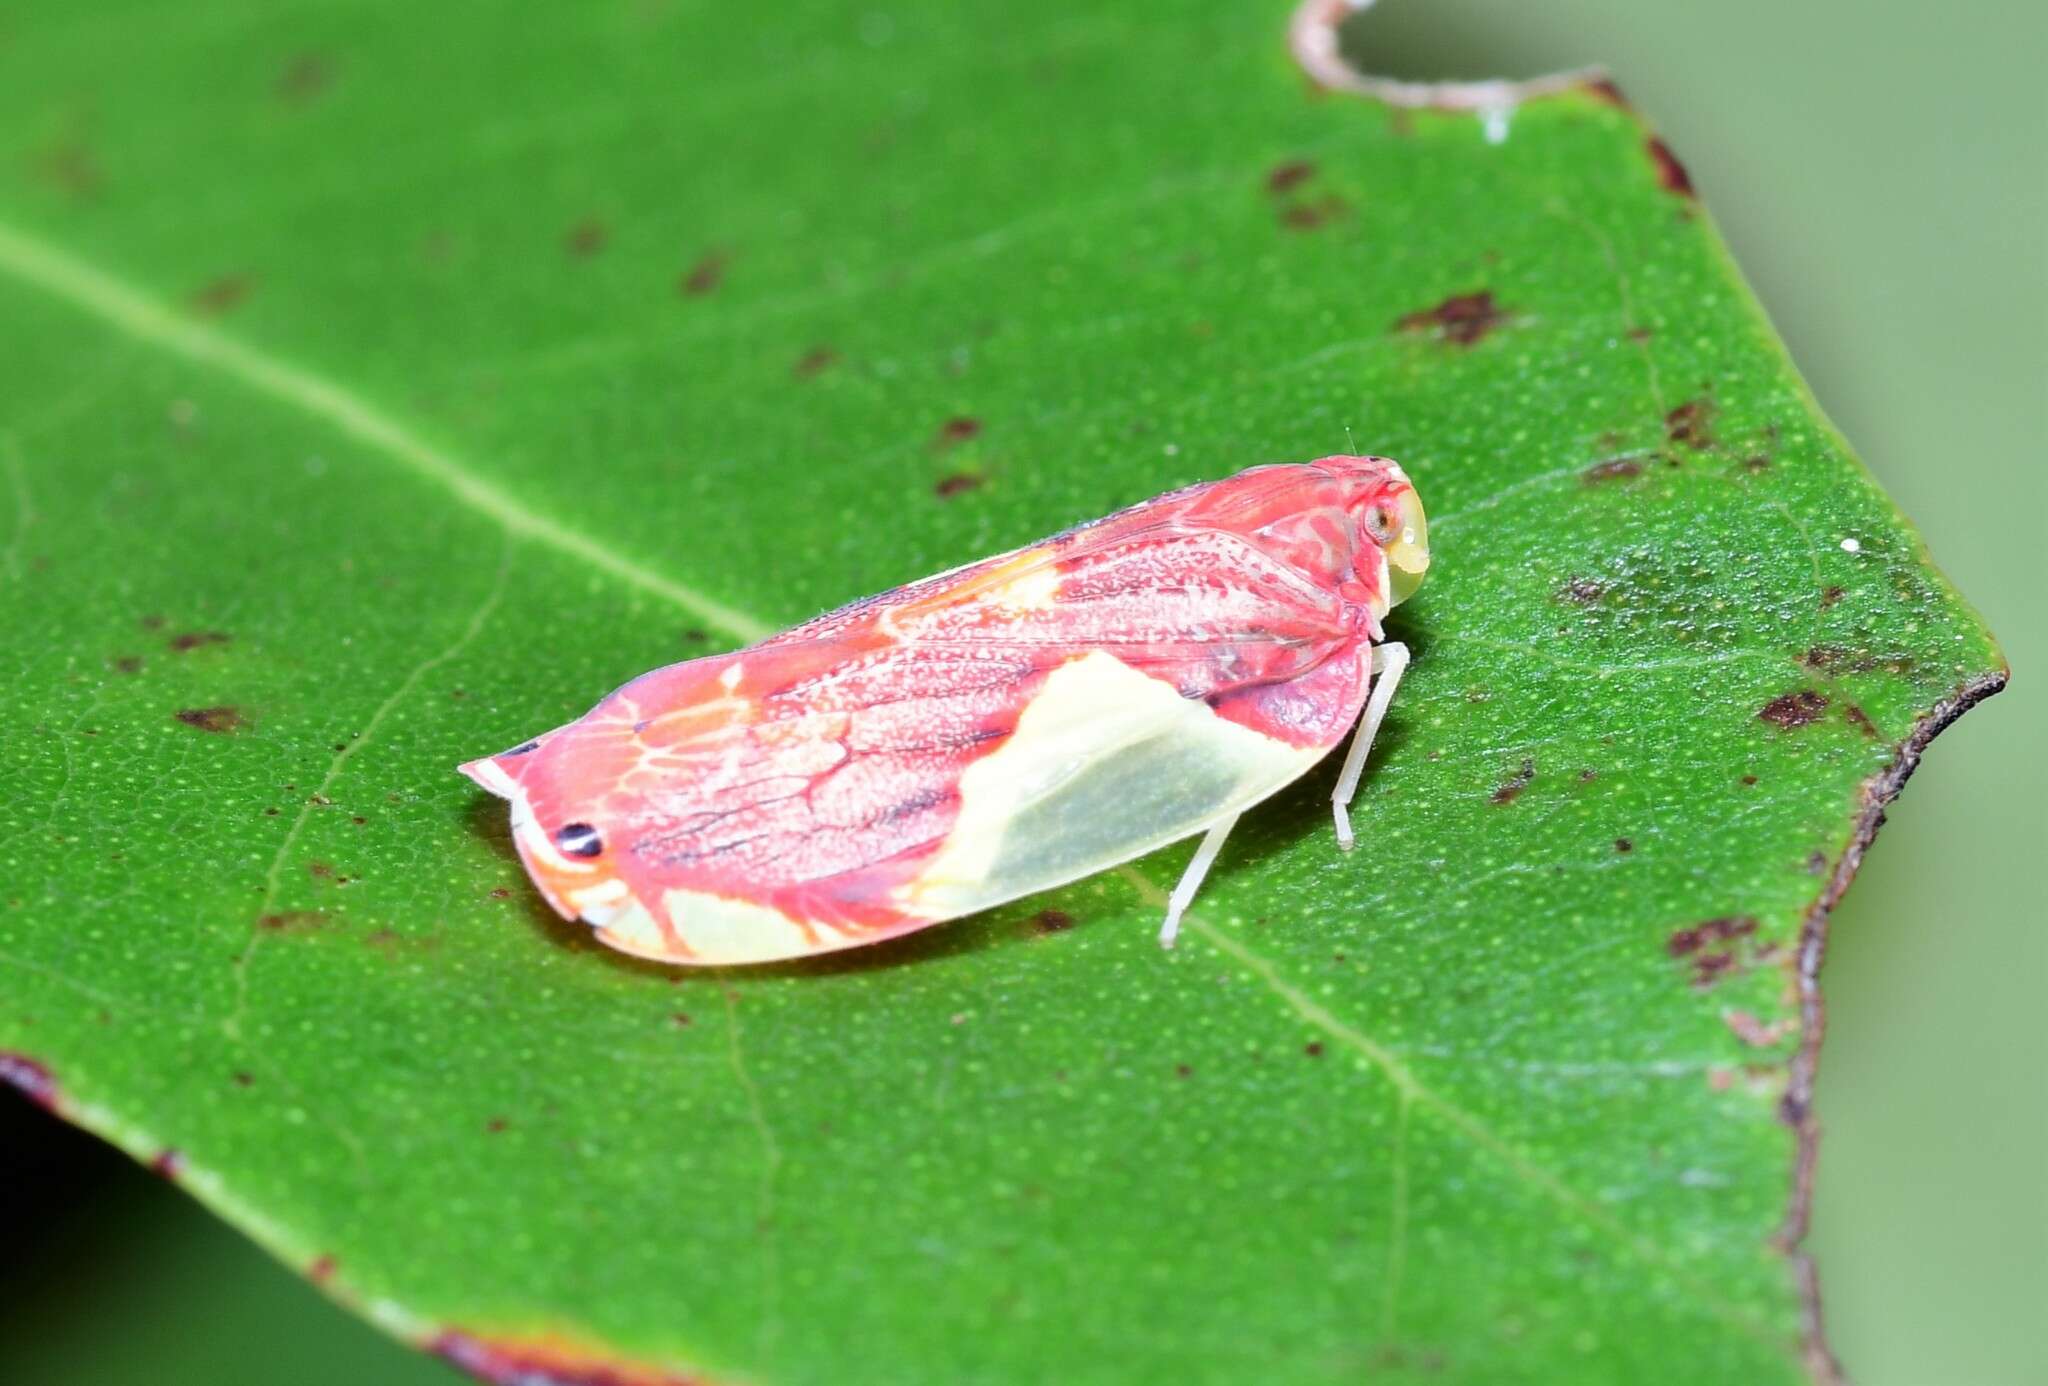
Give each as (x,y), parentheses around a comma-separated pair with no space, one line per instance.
(294,921)
(1052,921)
(196,639)
(1622,844)
(72,167)
(1829,596)
(501,893)
(1462,319)
(1284,178)
(1703,944)
(321,1270)
(305,77)
(1685,942)
(817,359)
(1310,215)
(1748,781)
(1613,469)
(1830,660)
(1183,1071)
(1671,174)
(1511,788)
(1860,719)
(704,276)
(128,664)
(680,1020)
(585,239)
(495,1125)
(169,1163)
(219,720)
(1314,1049)
(1605,89)
(958,483)
(243,1079)
(1756,463)
(1794,709)
(1691,425)
(30,1078)
(956,430)
(221,296)
(1754,1032)
(1584,591)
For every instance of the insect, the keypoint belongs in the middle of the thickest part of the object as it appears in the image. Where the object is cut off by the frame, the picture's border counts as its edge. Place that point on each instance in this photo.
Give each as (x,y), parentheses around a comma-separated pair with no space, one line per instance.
(986,733)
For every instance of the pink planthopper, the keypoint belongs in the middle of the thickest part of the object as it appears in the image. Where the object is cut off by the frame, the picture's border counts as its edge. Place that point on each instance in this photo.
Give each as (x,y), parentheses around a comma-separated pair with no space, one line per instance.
(984,734)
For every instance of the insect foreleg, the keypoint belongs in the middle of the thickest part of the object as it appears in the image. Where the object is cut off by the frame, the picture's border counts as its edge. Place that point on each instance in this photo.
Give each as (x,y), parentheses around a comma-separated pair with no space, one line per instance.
(1191,879)
(1388,662)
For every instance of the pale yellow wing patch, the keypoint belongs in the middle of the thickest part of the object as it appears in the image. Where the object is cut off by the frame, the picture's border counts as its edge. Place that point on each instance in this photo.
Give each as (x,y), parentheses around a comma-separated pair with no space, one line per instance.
(1105,765)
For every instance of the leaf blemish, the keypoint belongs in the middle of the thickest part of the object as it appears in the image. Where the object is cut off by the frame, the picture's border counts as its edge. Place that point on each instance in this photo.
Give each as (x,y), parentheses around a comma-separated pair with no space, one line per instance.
(128,664)
(956,430)
(1584,591)
(221,721)
(1308,216)
(169,1163)
(1511,788)
(550,1360)
(1793,710)
(1754,1032)
(959,483)
(196,639)
(1830,660)
(817,359)
(704,276)
(1286,177)
(1691,425)
(1671,174)
(219,297)
(1860,719)
(1614,469)
(1702,944)
(1605,89)
(294,921)
(1462,319)
(585,239)
(1052,921)
(31,1079)
(304,77)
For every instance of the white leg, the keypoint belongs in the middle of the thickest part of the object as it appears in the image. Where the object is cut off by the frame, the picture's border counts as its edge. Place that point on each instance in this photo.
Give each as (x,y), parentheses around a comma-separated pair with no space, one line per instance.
(1388,662)
(1191,879)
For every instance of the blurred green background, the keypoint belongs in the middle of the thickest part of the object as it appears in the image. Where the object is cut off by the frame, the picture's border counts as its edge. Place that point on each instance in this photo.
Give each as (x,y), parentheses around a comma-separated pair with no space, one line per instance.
(1882,172)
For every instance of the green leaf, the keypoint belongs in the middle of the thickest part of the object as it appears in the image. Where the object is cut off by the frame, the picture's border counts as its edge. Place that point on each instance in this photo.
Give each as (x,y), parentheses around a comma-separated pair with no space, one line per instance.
(387,383)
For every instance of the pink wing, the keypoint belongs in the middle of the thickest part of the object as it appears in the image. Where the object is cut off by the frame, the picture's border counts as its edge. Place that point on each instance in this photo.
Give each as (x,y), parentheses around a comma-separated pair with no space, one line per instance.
(817,772)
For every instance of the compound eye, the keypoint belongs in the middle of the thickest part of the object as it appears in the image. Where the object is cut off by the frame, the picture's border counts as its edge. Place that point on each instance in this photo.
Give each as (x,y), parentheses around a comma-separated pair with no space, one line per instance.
(579,840)
(1379,523)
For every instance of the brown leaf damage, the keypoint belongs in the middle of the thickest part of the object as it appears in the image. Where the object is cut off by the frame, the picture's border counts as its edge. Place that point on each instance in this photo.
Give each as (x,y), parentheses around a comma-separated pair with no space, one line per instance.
(549,1359)
(1462,319)
(1797,1106)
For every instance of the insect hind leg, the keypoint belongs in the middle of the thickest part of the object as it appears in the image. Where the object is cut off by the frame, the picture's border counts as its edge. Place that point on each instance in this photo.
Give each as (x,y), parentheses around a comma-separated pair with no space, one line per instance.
(1191,879)
(1389,661)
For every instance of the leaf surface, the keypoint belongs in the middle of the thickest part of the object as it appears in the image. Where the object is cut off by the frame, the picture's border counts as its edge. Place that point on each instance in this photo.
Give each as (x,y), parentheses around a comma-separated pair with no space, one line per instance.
(386,383)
